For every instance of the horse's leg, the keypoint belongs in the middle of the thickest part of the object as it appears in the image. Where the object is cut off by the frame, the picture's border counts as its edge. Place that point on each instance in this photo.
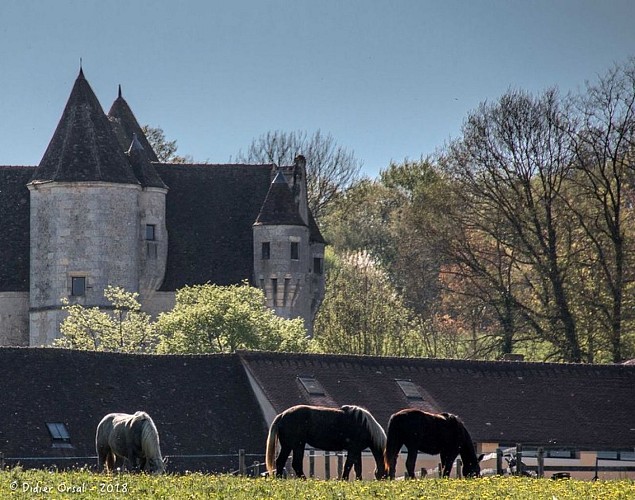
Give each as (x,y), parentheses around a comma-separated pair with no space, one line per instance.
(350,458)
(411,461)
(298,458)
(282,459)
(447,459)
(102,457)
(358,465)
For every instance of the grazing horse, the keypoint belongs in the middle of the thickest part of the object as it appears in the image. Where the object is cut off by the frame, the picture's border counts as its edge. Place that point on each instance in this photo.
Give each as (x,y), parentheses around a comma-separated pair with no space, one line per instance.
(433,434)
(131,437)
(349,428)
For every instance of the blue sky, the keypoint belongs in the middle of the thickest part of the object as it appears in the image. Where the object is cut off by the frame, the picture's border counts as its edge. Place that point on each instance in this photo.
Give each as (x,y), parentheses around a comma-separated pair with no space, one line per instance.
(388,79)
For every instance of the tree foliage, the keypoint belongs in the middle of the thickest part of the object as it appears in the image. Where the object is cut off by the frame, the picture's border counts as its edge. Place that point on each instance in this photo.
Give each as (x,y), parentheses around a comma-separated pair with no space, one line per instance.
(124,328)
(163,148)
(330,168)
(216,319)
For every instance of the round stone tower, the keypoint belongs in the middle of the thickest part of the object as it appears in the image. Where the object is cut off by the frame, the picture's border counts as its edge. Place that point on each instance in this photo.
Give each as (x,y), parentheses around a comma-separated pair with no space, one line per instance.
(84,224)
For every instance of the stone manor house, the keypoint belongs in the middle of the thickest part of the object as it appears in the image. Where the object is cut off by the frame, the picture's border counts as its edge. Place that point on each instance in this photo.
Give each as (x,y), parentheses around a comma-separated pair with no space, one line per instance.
(101,210)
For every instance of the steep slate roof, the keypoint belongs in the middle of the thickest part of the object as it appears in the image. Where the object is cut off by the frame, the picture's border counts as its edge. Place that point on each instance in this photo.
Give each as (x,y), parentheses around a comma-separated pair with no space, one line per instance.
(201,405)
(14,228)
(279,207)
(125,125)
(210,210)
(141,166)
(556,405)
(84,146)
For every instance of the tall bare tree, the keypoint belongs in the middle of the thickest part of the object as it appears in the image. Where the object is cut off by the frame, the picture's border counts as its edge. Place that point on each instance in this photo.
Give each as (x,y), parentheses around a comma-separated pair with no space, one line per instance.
(513,159)
(330,168)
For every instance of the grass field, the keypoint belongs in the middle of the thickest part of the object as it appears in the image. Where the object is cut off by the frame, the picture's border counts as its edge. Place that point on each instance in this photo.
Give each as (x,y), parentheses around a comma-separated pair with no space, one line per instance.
(16,483)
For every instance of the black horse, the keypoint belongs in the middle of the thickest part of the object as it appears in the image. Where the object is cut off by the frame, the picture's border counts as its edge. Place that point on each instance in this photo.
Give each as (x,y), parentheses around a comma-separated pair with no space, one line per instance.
(433,434)
(349,428)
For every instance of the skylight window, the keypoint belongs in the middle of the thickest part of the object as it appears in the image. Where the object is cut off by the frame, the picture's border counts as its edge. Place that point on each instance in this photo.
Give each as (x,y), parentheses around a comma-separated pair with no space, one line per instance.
(409,389)
(312,386)
(59,434)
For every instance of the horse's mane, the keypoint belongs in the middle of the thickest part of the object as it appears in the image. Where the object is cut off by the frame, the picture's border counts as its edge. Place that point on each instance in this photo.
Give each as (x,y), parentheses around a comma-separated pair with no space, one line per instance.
(377,434)
(149,439)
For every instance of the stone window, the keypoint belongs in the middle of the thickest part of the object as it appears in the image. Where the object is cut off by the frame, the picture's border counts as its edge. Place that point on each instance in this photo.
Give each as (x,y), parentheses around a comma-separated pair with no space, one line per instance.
(317,265)
(295,253)
(266,250)
(151,232)
(274,291)
(78,286)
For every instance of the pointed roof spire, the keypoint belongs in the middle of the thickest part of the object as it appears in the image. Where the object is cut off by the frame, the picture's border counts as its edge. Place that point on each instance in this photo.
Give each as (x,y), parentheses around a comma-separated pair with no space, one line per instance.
(143,169)
(125,125)
(279,207)
(83,147)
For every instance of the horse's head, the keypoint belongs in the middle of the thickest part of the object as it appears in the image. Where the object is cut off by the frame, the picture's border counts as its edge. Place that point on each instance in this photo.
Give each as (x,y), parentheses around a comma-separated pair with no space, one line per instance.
(473,469)
(157,465)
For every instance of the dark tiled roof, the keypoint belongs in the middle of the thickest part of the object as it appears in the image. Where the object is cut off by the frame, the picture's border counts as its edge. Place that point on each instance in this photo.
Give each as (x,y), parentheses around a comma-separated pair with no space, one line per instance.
(202,405)
(279,207)
(84,147)
(125,125)
(210,210)
(502,402)
(143,169)
(314,231)
(14,228)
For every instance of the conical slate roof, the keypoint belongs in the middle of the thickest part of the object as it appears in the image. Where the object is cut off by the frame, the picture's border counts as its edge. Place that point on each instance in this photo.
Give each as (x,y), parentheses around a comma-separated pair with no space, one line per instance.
(126,125)
(84,147)
(279,207)
(143,169)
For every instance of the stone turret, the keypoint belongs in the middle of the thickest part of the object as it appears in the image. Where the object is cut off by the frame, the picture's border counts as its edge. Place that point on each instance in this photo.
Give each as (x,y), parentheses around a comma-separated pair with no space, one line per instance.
(84,222)
(288,254)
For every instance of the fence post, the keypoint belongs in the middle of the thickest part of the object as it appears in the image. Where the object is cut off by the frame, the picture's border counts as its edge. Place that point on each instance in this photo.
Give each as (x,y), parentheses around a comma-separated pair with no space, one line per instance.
(519,459)
(311,463)
(459,464)
(340,465)
(541,462)
(1,460)
(327,465)
(499,461)
(241,462)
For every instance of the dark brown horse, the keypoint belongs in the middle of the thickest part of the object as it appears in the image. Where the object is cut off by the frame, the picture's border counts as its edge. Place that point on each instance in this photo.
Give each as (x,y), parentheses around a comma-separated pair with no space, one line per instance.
(433,434)
(349,428)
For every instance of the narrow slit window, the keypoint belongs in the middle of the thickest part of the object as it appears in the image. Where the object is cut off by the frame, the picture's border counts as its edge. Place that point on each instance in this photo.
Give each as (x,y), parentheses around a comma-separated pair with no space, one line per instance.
(78,286)
(317,265)
(311,385)
(266,250)
(274,291)
(295,252)
(409,389)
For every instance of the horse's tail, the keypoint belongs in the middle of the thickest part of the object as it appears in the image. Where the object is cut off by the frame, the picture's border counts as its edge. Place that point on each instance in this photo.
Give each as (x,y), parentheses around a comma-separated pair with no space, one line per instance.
(393,445)
(272,440)
(150,444)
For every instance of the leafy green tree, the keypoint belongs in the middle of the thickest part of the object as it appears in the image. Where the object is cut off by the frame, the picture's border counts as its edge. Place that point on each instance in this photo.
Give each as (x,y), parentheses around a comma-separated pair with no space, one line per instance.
(164,149)
(125,328)
(362,313)
(216,319)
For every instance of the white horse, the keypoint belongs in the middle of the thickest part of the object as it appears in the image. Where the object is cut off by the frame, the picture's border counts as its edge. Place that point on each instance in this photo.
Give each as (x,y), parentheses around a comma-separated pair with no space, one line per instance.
(133,438)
